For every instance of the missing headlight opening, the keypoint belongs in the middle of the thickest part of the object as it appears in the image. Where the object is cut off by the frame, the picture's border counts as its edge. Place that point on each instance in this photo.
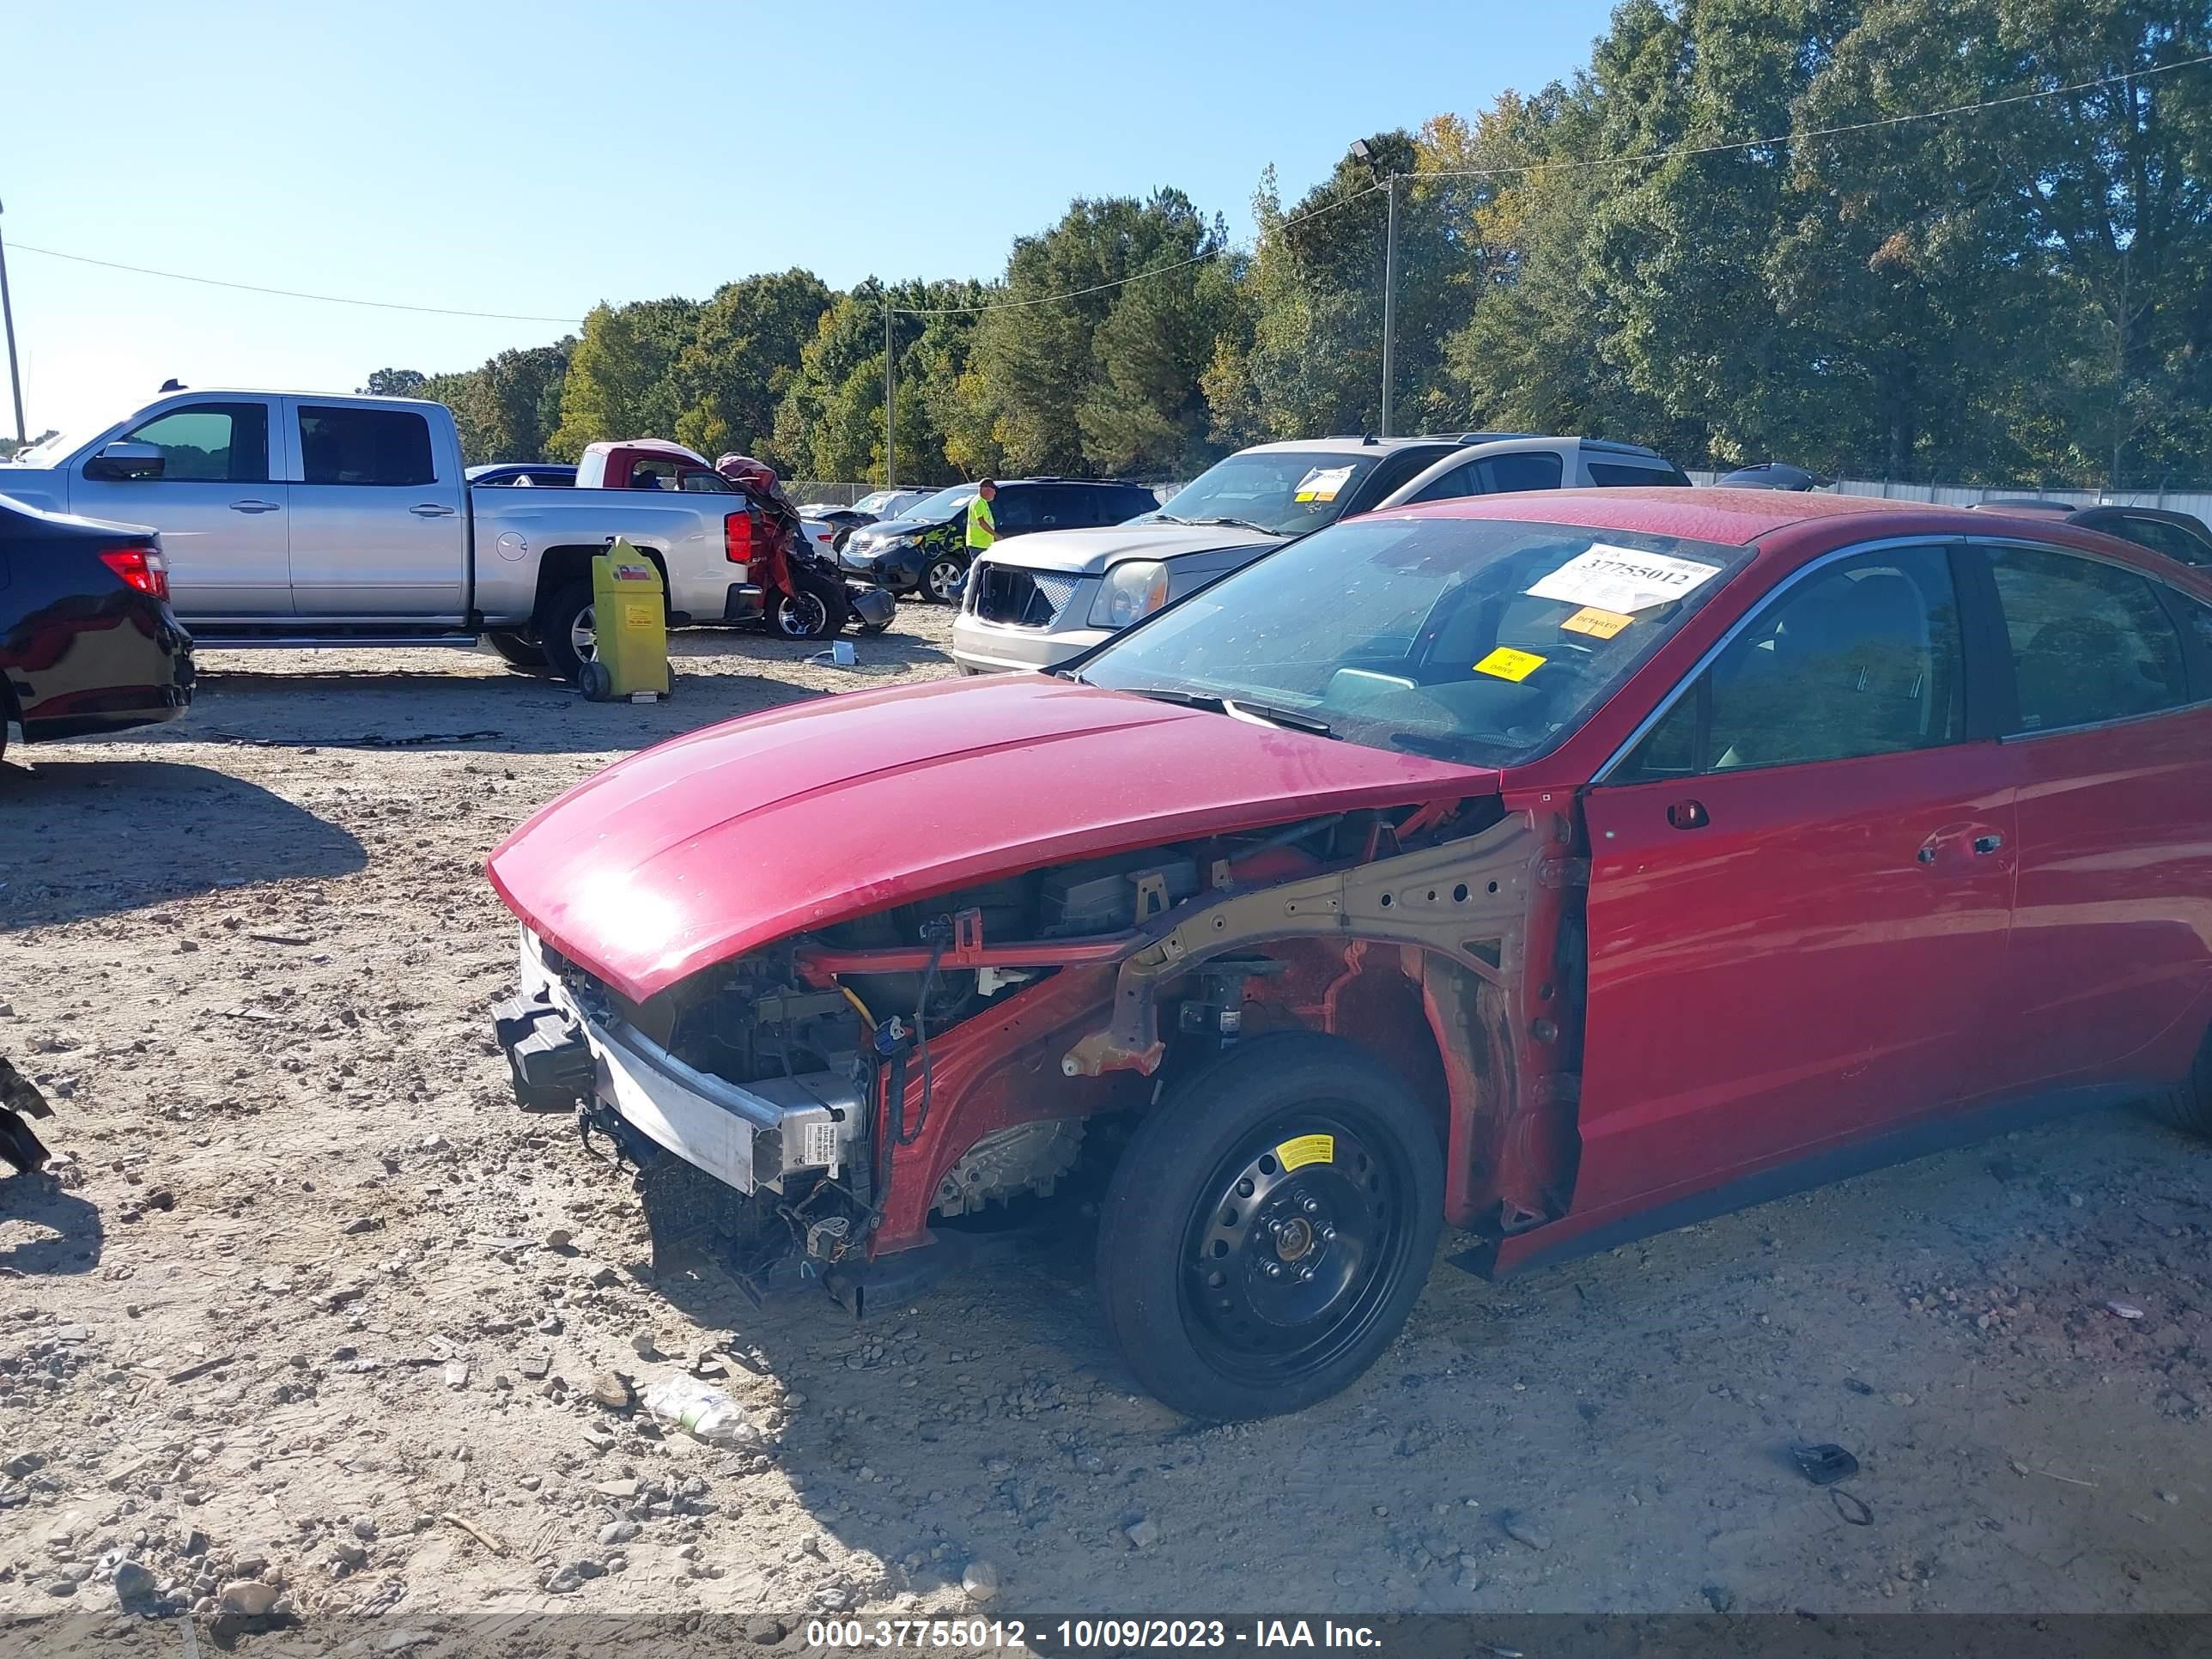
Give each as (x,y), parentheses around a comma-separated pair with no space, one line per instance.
(894,1093)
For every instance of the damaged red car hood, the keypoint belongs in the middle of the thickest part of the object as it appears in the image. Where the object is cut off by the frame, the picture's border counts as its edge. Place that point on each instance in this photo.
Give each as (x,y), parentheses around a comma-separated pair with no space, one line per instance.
(703,848)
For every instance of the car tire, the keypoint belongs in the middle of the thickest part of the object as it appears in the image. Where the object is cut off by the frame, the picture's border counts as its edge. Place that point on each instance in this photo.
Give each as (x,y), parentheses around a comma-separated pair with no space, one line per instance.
(516,651)
(2188,1105)
(813,611)
(940,576)
(1320,1260)
(563,627)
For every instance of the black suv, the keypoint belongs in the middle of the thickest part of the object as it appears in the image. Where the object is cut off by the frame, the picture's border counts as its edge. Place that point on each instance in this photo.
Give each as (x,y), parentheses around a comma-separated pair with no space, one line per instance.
(925,549)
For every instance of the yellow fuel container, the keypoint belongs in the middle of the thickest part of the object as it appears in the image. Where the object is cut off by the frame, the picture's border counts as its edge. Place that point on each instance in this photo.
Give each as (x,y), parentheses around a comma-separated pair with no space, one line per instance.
(629,614)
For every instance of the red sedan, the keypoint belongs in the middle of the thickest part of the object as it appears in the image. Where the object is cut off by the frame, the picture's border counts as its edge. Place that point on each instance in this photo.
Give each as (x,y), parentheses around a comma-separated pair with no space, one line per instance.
(1561,867)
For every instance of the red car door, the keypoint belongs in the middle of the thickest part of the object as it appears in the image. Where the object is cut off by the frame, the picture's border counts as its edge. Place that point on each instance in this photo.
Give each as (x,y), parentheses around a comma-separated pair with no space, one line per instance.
(1801,884)
(2111,733)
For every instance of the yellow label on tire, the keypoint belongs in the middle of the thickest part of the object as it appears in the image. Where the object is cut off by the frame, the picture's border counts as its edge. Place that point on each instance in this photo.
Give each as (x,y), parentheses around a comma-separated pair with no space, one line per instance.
(1307,1149)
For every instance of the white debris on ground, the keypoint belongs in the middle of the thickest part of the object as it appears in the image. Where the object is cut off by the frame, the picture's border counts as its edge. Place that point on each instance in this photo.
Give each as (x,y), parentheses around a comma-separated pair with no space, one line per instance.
(307,1319)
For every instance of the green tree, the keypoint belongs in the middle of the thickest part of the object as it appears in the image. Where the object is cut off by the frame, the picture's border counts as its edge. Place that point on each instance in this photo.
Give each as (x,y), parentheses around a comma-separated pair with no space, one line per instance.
(1078,369)
(742,355)
(621,375)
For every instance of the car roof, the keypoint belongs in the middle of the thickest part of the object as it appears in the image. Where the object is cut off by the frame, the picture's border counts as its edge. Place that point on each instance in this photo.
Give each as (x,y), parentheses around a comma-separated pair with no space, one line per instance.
(1340,445)
(1742,517)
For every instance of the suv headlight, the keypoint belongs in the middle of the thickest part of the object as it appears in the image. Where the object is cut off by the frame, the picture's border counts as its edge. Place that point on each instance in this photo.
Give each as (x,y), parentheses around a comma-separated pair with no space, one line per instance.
(1132,591)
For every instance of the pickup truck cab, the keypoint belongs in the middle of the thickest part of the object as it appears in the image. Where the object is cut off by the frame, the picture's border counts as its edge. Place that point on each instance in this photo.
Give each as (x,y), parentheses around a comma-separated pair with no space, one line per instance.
(295,519)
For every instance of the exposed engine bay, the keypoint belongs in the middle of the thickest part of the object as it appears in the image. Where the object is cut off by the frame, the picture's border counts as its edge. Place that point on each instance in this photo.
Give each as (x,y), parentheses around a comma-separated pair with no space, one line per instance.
(828,1061)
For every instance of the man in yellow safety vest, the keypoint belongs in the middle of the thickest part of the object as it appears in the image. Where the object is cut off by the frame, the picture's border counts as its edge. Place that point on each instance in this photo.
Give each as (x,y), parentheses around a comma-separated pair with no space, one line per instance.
(982,530)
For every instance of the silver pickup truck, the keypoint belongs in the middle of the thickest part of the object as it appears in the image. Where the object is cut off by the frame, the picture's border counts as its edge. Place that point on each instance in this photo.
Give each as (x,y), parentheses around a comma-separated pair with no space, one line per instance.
(291,519)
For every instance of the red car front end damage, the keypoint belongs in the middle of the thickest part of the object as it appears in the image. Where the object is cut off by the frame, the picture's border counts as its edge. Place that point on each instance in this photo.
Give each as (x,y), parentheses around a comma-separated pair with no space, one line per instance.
(1155,878)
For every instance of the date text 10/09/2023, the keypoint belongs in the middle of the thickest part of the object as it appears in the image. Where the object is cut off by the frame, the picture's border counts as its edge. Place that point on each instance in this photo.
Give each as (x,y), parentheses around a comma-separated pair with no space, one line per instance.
(1082,1635)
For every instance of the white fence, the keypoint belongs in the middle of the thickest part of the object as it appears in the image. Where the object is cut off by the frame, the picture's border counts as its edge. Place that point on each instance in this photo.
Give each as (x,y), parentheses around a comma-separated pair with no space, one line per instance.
(2198,501)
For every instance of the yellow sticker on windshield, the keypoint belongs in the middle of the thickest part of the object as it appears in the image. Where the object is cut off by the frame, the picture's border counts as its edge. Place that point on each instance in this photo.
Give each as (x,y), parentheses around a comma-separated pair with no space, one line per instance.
(1307,1149)
(1321,484)
(1507,663)
(1598,624)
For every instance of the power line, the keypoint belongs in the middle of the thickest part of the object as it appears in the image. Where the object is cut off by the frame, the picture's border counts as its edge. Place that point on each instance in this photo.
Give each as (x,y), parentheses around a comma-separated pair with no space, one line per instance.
(288,293)
(1944,113)
(1602,162)
(1820,133)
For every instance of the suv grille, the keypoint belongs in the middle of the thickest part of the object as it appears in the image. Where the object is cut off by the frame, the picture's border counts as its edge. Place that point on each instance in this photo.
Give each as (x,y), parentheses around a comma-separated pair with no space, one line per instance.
(1022,598)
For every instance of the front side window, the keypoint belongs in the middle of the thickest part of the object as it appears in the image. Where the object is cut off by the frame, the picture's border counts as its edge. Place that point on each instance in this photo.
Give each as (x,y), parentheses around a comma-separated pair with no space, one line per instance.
(2089,641)
(388,446)
(211,443)
(1526,469)
(1477,640)
(1859,657)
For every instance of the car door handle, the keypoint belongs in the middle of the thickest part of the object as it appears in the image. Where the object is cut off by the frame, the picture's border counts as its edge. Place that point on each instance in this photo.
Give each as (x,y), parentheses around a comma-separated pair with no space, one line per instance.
(431,510)
(1985,845)
(251,506)
(1688,815)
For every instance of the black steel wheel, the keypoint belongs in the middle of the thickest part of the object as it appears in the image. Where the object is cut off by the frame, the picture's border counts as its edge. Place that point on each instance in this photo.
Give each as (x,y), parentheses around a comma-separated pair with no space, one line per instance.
(1270,1228)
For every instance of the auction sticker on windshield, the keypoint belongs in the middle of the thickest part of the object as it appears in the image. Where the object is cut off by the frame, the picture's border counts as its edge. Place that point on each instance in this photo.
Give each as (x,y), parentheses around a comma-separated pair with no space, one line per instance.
(1621,579)
(1323,483)
(1598,624)
(1507,663)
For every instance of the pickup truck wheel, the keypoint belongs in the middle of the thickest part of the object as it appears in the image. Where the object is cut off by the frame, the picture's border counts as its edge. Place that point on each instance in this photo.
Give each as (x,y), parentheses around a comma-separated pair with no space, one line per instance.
(801,615)
(940,579)
(517,651)
(1269,1227)
(565,627)
(2189,1104)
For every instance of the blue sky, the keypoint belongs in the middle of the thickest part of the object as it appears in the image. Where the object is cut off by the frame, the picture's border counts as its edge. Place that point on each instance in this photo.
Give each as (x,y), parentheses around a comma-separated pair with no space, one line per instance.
(536,159)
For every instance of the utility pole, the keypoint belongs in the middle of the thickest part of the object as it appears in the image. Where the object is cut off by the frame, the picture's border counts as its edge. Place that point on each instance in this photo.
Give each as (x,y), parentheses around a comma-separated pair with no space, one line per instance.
(890,402)
(1390,292)
(15,373)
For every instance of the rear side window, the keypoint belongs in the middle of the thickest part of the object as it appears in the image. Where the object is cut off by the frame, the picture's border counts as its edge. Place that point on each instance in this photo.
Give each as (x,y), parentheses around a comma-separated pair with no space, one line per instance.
(211,443)
(2089,641)
(2159,536)
(1616,475)
(1066,507)
(364,447)
(1862,657)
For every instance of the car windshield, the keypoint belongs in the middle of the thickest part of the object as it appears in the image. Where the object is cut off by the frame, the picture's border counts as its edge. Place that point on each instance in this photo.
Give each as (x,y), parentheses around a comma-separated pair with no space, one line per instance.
(878,503)
(1481,642)
(943,505)
(1287,492)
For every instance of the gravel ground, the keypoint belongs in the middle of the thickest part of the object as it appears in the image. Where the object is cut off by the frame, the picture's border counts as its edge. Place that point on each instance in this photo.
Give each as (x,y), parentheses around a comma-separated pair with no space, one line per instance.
(307,1311)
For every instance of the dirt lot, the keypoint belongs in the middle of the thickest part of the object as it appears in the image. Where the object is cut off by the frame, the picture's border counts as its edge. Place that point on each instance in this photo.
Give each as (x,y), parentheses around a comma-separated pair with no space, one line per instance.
(296,1307)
